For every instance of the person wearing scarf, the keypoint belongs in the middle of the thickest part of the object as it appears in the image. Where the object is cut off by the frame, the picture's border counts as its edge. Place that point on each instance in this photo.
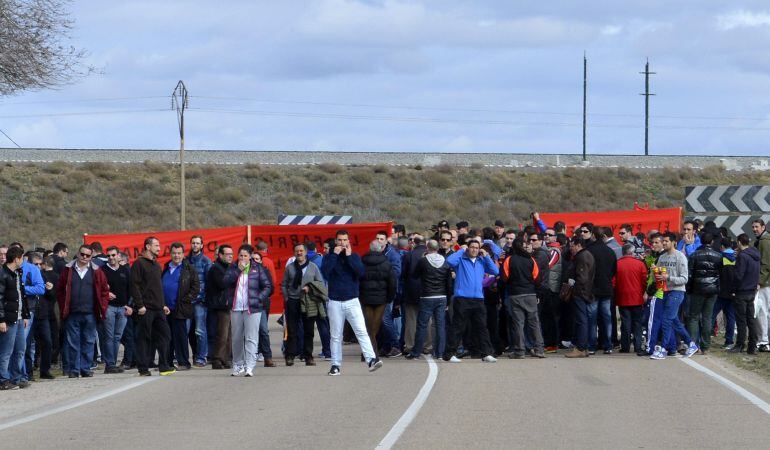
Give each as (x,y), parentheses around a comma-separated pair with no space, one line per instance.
(295,279)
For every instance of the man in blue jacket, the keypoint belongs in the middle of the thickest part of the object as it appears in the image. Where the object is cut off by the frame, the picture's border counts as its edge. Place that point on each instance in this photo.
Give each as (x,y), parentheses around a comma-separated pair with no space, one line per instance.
(342,269)
(470,264)
(34,286)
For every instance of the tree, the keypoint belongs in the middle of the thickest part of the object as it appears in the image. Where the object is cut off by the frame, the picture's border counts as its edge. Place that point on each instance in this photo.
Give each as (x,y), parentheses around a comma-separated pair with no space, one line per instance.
(34,49)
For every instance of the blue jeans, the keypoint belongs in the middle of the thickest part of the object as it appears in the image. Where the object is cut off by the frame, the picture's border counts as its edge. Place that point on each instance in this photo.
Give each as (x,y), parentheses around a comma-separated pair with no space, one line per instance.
(671,324)
(604,315)
(325,334)
(12,345)
(201,333)
(585,313)
(264,337)
(726,306)
(114,324)
(29,351)
(431,307)
(391,328)
(81,337)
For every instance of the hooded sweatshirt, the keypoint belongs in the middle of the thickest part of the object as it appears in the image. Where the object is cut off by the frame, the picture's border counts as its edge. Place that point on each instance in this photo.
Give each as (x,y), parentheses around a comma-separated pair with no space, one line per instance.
(747,272)
(727,274)
(435,276)
(470,274)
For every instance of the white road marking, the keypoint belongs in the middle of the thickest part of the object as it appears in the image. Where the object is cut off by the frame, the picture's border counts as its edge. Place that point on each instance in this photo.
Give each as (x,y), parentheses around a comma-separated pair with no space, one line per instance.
(398,429)
(73,405)
(758,402)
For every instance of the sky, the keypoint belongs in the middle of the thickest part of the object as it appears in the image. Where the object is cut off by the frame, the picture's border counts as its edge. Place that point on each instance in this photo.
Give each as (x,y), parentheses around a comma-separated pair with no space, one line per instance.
(410,76)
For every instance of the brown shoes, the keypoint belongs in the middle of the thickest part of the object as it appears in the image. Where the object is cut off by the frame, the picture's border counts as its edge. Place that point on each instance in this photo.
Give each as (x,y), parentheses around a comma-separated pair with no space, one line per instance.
(577,353)
(269,363)
(309,361)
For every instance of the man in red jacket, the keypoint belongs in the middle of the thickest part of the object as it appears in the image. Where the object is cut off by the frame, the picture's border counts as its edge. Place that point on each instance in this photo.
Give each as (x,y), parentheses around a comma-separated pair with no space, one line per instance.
(630,286)
(83,294)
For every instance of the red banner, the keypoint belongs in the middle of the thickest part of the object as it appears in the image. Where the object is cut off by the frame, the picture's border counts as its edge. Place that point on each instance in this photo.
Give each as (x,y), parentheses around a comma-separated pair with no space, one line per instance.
(280,241)
(133,243)
(643,220)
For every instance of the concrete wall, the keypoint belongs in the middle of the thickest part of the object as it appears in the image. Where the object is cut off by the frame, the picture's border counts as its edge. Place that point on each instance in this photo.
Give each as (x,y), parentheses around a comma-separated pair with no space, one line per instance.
(361,158)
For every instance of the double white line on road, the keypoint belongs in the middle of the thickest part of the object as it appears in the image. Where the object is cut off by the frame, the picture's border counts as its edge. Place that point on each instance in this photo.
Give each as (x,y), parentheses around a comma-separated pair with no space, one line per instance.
(411,412)
(73,405)
(758,402)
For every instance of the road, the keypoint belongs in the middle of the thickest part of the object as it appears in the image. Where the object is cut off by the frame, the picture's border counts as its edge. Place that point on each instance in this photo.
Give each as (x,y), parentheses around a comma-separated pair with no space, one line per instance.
(616,401)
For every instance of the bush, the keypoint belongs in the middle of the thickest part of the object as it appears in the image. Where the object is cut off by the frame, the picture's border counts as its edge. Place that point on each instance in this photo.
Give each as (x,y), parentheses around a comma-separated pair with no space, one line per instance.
(331,168)
(154,167)
(437,180)
(57,167)
(361,176)
(338,189)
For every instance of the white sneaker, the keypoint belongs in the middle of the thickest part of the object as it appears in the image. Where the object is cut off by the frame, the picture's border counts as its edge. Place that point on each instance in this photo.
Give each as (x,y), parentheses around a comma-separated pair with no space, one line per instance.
(566,344)
(249,372)
(489,359)
(237,370)
(455,359)
(260,358)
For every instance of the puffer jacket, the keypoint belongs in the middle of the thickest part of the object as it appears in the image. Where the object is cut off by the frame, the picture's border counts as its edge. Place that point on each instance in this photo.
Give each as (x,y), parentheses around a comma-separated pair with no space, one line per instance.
(435,276)
(9,296)
(259,282)
(378,285)
(704,266)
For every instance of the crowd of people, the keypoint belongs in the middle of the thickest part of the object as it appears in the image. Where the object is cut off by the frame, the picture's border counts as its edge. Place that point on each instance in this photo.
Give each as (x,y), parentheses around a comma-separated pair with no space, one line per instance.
(451,293)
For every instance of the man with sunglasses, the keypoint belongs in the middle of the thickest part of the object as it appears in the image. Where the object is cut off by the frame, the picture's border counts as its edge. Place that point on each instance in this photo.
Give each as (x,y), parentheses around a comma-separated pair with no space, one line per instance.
(118,310)
(83,293)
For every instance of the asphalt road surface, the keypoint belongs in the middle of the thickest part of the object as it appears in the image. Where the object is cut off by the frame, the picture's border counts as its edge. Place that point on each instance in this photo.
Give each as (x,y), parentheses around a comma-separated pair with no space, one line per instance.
(616,401)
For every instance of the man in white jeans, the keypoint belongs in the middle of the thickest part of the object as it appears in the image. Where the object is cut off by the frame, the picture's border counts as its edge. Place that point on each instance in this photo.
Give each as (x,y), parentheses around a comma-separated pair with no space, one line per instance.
(342,269)
(762,302)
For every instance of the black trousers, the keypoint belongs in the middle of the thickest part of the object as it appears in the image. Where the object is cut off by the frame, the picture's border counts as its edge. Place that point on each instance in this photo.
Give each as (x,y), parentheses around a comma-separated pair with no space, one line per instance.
(744,319)
(473,313)
(152,332)
(492,303)
(43,344)
(550,315)
(292,323)
(178,349)
(631,323)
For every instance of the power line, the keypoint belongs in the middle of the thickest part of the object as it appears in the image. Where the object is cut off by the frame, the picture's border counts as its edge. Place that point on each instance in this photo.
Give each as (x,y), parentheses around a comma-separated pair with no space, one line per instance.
(460,121)
(82,100)
(9,138)
(481,110)
(80,113)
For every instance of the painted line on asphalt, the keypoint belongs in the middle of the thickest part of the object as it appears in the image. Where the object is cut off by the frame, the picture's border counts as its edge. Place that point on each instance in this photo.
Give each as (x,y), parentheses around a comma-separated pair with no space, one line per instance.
(73,405)
(758,402)
(398,429)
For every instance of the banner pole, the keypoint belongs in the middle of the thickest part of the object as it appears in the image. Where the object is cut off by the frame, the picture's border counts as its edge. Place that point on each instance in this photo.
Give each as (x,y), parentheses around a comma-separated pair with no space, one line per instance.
(248,233)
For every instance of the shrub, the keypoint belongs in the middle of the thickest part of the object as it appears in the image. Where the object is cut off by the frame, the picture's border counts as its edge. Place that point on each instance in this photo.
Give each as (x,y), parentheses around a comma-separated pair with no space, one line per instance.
(362,177)
(338,189)
(154,167)
(57,167)
(331,168)
(437,180)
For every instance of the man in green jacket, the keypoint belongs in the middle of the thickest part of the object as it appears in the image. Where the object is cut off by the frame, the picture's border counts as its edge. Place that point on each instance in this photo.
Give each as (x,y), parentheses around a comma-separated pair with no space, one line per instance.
(762,303)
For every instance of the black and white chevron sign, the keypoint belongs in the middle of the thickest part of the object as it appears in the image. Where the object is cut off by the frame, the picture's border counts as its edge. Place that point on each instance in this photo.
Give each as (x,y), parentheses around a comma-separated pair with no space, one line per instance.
(313,220)
(699,199)
(735,224)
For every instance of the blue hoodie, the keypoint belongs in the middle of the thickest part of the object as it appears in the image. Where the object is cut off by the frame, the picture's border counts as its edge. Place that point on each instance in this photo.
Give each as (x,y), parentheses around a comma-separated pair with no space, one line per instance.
(33,279)
(688,249)
(470,274)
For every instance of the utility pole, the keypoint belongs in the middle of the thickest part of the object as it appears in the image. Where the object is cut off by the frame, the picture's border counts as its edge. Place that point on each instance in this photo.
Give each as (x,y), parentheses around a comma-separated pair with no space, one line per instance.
(647,95)
(585,107)
(179,101)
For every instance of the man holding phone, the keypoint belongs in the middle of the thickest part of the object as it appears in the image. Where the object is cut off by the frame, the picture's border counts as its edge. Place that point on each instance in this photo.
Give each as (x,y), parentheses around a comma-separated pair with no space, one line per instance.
(342,269)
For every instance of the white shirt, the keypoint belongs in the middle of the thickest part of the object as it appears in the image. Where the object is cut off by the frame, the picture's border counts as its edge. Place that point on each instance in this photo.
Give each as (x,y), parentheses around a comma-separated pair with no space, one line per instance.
(242,293)
(81,272)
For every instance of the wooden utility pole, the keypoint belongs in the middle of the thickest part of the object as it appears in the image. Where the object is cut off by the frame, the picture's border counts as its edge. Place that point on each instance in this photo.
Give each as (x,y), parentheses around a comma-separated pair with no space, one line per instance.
(179,101)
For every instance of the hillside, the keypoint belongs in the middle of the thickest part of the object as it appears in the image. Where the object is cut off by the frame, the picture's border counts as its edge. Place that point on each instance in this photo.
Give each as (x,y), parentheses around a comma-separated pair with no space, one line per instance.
(47,202)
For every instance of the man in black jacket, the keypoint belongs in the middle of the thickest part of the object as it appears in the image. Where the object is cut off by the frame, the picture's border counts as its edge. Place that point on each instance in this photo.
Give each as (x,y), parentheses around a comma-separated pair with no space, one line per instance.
(377,288)
(704,266)
(606,264)
(219,305)
(14,318)
(410,307)
(746,282)
(181,287)
(435,287)
(581,278)
(523,276)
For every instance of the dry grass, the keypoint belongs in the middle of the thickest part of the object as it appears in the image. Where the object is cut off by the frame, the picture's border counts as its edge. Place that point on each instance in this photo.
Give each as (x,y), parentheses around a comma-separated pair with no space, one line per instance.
(46,203)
